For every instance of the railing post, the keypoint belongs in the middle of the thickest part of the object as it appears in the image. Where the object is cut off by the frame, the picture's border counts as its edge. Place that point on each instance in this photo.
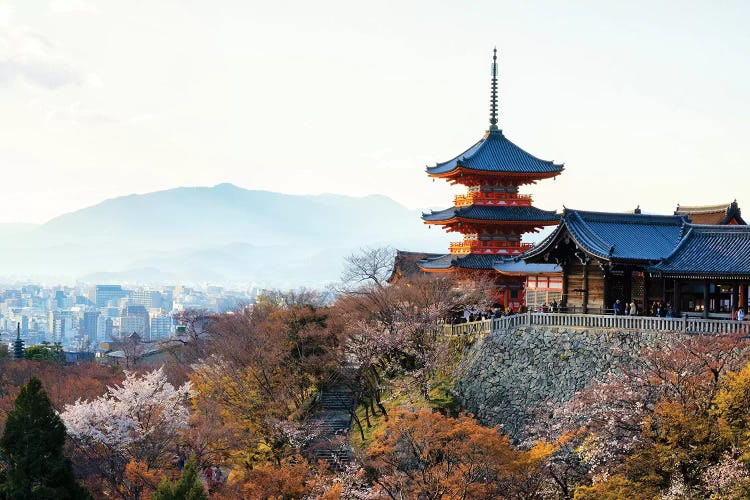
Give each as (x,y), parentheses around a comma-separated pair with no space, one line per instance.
(528,318)
(684,323)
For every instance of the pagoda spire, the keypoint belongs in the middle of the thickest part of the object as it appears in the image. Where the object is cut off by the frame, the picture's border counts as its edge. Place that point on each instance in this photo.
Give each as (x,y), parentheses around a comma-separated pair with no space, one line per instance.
(493,98)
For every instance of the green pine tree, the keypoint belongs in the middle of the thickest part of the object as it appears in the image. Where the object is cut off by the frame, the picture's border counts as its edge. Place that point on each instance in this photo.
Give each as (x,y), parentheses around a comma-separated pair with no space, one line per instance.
(32,449)
(189,486)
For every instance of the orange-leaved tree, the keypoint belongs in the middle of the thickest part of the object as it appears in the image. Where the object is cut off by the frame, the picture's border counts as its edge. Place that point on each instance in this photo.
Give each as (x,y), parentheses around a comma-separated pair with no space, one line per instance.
(427,454)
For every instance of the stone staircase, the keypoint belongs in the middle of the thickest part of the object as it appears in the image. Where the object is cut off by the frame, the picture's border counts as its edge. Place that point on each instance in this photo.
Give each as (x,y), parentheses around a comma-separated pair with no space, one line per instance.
(332,422)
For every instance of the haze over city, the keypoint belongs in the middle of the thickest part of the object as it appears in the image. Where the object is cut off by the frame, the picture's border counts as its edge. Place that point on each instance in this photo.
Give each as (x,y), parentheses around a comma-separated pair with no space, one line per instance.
(104,99)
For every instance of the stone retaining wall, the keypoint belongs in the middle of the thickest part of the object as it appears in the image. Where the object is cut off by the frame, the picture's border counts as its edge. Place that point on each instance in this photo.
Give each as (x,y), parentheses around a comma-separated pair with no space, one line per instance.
(504,376)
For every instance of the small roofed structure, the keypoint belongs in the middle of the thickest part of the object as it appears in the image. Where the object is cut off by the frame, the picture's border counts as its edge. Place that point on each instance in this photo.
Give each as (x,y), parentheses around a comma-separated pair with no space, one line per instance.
(406,264)
(728,213)
(543,281)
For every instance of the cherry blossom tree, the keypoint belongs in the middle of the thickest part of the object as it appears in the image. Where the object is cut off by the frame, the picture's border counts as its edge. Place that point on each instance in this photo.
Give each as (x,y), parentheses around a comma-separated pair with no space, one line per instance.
(139,420)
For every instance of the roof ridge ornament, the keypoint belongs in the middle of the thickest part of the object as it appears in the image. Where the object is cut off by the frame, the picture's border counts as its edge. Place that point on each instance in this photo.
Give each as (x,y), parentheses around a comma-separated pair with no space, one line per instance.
(493,93)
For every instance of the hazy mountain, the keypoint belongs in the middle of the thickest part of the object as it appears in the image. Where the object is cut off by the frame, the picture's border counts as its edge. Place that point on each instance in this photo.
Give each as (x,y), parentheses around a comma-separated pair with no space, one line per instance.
(217,234)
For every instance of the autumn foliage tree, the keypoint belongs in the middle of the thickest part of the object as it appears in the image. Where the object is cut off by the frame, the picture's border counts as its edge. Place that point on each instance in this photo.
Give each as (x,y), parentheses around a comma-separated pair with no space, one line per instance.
(265,365)
(424,454)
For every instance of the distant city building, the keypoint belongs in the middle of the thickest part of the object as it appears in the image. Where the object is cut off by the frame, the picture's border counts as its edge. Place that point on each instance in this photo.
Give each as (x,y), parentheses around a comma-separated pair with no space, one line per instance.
(161,327)
(62,300)
(89,325)
(126,324)
(150,299)
(104,326)
(60,325)
(106,295)
(133,324)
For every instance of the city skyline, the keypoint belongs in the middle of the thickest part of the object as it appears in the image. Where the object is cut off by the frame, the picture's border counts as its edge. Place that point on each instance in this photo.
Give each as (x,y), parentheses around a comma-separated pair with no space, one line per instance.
(100,103)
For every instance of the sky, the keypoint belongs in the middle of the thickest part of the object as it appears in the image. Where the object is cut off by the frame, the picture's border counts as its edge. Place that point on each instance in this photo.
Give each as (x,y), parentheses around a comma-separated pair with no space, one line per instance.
(646,103)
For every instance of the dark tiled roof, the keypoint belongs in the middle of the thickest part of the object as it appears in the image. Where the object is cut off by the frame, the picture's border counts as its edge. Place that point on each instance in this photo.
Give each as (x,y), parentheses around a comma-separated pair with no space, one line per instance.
(495,153)
(712,214)
(477,212)
(619,236)
(406,264)
(470,261)
(709,250)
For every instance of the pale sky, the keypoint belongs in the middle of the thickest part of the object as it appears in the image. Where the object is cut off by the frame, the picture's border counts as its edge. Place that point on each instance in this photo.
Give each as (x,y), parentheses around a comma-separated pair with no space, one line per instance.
(645,102)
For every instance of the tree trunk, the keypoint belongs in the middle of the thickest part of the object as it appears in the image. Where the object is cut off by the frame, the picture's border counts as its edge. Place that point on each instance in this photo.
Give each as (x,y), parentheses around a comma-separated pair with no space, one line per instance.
(367,415)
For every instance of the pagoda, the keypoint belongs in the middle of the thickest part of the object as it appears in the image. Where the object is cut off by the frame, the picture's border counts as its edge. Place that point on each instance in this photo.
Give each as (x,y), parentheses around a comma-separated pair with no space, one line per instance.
(492,216)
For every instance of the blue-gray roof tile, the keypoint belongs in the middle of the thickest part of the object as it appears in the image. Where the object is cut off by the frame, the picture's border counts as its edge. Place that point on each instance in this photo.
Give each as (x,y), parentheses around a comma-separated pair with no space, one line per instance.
(709,250)
(495,153)
(620,236)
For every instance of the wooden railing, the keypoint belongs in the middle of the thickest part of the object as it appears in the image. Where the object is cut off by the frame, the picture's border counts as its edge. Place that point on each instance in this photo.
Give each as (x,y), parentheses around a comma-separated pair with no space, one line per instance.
(489,246)
(484,198)
(639,323)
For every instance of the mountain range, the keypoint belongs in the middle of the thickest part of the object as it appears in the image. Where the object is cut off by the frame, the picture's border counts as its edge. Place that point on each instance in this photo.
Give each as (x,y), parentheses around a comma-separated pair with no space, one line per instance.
(221,235)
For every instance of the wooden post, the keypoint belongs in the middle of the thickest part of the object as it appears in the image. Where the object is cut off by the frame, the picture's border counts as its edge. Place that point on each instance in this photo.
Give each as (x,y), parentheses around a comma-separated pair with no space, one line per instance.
(564,299)
(735,302)
(705,299)
(677,298)
(585,305)
(628,292)
(606,298)
(644,309)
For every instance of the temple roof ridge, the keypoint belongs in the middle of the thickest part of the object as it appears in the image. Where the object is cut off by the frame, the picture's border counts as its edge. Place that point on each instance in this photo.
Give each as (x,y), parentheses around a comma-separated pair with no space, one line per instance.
(704,208)
(628,217)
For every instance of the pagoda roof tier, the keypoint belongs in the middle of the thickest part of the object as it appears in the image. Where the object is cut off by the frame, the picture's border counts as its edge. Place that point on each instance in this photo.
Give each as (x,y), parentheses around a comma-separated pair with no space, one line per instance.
(615,236)
(450,262)
(519,215)
(495,154)
(709,251)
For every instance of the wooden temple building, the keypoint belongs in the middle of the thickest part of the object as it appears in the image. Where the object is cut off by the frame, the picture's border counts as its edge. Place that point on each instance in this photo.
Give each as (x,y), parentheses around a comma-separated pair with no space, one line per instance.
(492,215)
(663,261)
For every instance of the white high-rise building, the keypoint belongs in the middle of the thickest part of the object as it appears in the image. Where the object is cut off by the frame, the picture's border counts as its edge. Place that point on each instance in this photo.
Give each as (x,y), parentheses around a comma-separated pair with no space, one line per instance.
(161,327)
(133,324)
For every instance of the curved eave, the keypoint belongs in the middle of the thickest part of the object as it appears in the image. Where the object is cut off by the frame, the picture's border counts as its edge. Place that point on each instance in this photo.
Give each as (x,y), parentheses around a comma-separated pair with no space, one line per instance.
(547,243)
(463,220)
(458,171)
(699,275)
